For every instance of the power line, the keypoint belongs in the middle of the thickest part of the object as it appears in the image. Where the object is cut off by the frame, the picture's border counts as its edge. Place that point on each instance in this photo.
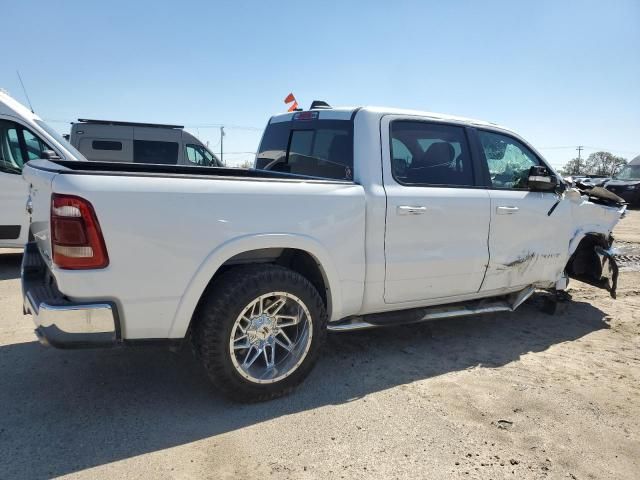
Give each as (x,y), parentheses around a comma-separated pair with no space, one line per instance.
(556,148)
(218,125)
(586,147)
(50,120)
(610,150)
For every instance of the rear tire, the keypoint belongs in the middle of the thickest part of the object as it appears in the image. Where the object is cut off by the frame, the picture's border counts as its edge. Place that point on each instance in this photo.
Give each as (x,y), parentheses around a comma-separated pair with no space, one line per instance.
(250,311)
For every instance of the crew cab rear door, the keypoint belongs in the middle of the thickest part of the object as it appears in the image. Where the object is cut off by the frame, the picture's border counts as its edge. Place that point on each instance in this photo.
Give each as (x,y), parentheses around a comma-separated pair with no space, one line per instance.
(437,219)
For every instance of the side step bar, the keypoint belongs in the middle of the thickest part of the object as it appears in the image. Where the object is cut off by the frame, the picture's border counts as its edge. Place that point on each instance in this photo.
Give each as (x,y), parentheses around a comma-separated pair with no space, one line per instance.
(506,303)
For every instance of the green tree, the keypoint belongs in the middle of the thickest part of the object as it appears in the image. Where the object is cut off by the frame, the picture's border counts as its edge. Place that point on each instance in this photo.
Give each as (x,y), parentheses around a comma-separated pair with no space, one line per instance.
(604,163)
(573,167)
(598,163)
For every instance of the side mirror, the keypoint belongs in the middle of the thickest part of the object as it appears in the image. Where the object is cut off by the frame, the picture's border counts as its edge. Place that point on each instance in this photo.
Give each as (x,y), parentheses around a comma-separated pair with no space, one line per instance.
(541,180)
(49,155)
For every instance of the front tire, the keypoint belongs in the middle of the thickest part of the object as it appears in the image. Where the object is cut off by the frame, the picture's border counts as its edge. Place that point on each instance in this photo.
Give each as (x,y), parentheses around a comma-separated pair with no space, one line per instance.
(258,330)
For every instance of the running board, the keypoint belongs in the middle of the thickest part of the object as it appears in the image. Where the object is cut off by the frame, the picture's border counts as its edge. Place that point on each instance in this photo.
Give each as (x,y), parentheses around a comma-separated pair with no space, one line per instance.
(507,303)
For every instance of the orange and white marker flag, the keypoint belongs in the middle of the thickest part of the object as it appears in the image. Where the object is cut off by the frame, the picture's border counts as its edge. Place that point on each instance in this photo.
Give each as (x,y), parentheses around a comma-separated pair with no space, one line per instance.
(290,98)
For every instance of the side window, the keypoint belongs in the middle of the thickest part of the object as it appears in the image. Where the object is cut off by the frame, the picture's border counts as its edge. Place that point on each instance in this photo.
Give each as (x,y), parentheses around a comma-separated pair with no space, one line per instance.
(33,145)
(18,145)
(147,151)
(106,145)
(193,155)
(508,160)
(15,151)
(402,158)
(425,153)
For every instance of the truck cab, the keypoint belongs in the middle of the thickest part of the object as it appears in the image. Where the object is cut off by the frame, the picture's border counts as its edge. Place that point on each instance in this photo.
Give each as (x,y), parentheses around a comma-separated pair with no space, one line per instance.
(115,141)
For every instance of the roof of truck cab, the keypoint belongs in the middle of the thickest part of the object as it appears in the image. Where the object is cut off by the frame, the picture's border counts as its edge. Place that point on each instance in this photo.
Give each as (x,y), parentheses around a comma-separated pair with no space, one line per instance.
(345,113)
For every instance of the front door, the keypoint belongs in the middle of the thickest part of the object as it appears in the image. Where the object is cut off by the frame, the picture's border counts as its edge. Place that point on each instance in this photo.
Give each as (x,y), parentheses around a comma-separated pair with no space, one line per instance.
(18,145)
(437,220)
(529,233)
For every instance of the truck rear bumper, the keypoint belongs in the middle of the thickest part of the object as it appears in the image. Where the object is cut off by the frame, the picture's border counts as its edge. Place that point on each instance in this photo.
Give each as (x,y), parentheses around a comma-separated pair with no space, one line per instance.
(60,322)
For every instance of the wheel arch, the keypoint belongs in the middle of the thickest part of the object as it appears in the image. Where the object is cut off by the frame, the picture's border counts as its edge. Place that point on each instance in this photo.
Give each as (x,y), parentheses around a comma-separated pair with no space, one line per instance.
(295,251)
(590,235)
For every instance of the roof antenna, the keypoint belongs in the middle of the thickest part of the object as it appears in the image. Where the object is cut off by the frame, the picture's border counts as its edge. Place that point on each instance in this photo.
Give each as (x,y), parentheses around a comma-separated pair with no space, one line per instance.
(25,91)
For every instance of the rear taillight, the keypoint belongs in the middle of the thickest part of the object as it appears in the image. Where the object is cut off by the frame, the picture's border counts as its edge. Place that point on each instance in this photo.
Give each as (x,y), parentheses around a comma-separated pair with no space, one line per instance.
(76,238)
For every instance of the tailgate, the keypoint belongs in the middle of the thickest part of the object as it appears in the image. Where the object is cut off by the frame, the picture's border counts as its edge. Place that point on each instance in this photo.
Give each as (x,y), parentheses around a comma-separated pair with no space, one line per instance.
(39,175)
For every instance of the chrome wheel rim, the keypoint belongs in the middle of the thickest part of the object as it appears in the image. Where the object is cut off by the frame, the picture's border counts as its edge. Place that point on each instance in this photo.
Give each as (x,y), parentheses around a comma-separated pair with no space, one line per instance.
(271,337)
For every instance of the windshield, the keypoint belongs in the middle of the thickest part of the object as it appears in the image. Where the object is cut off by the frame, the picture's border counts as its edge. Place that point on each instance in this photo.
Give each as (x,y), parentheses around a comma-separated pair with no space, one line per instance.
(60,139)
(200,155)
(629,172)
(211,158)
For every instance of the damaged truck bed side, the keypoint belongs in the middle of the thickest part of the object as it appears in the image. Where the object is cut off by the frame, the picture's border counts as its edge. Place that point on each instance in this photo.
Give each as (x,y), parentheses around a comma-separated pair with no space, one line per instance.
(351,218)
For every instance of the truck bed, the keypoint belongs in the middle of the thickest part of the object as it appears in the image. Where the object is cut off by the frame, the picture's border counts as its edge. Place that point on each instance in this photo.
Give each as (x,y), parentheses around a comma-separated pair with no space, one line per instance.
(157,170)
(168,229)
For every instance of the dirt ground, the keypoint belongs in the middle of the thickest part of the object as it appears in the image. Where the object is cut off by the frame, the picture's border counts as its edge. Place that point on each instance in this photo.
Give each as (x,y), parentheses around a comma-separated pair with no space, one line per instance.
(525,395)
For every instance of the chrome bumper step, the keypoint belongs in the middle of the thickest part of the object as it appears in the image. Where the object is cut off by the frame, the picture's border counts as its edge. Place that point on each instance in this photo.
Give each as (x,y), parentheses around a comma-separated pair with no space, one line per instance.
(59,321)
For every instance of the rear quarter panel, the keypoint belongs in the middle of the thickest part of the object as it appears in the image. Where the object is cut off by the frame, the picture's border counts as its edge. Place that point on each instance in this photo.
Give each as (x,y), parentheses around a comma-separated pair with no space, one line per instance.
(166,237)
(39,188)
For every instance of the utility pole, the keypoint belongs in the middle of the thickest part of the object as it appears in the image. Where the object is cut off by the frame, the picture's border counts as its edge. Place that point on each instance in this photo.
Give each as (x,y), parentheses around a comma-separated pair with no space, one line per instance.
(222,144)
(579,148)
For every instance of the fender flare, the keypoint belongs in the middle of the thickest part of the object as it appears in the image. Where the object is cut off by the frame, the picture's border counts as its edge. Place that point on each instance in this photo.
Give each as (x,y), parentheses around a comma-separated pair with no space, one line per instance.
(229,249)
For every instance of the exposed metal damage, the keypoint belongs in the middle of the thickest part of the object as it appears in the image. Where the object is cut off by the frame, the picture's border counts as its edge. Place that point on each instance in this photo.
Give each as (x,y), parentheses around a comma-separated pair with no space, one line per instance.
(588,257)
(594,263)
(599,195)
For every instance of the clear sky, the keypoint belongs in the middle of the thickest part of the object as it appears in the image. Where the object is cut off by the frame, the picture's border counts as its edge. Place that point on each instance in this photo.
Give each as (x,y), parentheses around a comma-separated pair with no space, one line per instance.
(561,73)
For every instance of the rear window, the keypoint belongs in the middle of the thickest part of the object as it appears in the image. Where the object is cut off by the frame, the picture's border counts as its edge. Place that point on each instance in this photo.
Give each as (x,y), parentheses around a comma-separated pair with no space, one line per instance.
(316,148)
(146,151)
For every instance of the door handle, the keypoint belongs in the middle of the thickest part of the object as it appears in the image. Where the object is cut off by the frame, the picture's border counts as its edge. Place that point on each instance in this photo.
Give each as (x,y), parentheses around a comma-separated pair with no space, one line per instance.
(411,210)
(504,210)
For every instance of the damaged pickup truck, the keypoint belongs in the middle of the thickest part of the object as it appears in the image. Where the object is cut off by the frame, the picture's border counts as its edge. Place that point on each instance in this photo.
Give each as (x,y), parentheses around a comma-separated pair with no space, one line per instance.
(351,218)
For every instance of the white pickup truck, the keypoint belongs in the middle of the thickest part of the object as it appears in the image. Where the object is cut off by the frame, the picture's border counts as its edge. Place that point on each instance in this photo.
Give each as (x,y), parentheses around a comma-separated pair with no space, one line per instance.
(352,218)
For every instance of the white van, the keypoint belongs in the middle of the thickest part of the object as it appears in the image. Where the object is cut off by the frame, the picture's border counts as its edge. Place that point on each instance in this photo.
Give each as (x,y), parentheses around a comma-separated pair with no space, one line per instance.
(23,137)
(114,141)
